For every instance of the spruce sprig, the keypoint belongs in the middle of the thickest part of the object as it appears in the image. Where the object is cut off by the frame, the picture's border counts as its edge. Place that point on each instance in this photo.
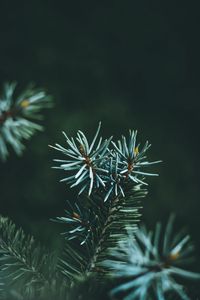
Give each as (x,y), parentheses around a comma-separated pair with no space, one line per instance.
(110,185)
(16,115)
(109,170)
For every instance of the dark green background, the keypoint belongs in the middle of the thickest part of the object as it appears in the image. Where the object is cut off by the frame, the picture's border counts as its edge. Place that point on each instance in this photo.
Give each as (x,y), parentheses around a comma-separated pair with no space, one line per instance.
(131,64)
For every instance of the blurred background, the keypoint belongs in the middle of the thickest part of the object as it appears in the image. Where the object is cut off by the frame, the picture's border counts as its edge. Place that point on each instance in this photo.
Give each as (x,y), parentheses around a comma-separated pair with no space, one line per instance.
(131,64)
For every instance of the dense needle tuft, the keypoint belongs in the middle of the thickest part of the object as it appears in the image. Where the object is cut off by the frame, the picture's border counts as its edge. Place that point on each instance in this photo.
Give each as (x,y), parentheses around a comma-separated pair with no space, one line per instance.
(132,159)
(85,162)
(102,167)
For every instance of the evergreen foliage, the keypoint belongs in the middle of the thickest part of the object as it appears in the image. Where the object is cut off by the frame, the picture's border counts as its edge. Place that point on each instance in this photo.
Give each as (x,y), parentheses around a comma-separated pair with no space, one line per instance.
(16,113)
(110,170)
(111,180)
(27,270)
(150,262)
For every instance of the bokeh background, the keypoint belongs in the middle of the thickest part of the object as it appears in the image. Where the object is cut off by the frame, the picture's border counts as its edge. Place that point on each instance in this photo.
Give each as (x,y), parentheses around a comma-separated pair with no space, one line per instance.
(131,64)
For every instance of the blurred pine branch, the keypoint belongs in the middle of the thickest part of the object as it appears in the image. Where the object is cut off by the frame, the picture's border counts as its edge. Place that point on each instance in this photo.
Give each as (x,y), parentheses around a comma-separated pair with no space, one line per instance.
(16,113)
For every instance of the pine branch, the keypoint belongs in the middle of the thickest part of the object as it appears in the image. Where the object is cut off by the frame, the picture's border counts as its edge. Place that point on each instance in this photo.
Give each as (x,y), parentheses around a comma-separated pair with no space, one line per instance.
(16,114)
(113,209)
(112,179)
(24,268)
(122,213)
(88,243)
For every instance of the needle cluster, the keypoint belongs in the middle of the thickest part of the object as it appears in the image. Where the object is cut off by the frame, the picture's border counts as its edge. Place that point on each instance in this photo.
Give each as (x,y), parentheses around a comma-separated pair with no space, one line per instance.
(17,114)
